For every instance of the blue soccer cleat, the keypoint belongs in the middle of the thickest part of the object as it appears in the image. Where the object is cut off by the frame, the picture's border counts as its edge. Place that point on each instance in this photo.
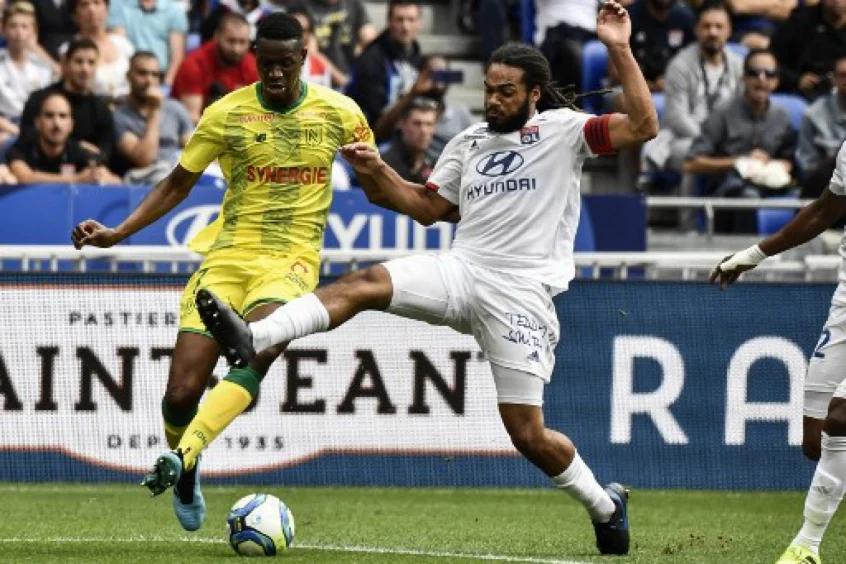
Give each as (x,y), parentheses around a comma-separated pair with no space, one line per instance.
(188,502)
(165,473)
(612,537)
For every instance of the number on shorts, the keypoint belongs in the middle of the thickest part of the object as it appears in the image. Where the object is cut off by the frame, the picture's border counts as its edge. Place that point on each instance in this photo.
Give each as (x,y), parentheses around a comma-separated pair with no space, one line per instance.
(824,339)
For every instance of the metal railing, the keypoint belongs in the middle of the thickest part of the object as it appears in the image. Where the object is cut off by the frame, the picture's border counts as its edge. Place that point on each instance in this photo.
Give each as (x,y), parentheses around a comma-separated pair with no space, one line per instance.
(616,265)
(711,205)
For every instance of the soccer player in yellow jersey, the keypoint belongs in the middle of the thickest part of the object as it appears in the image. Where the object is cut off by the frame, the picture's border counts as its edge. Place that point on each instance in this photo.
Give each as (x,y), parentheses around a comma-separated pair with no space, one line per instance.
(275,141)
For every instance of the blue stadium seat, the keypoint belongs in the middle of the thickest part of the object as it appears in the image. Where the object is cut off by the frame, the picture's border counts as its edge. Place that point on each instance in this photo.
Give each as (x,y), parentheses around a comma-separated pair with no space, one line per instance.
(794,105)
(771,220)
(658,100)
(527,21)
(594,70)
(192,41)
(738,49)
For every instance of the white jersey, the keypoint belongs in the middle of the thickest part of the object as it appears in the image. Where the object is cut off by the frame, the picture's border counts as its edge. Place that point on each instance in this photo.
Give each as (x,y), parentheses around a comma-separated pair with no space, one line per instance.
(518,195)
(838,186)
(16,83)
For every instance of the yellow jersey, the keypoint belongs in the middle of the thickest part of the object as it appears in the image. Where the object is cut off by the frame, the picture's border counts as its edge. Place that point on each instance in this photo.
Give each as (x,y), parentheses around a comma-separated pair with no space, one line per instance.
(277,163)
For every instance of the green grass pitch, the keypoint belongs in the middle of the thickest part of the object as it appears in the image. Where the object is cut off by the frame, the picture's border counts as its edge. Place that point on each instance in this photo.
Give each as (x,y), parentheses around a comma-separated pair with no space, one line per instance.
(111,523)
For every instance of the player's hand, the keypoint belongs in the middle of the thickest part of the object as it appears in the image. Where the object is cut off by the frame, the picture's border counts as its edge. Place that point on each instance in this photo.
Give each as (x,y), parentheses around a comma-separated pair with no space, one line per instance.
(732,266)
(362,156)
(95,234)
(613,25)
(809,81)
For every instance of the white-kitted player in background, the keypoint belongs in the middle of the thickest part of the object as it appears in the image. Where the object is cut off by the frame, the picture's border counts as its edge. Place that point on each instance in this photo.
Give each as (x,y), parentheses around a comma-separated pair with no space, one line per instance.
(824,421)
(514,181)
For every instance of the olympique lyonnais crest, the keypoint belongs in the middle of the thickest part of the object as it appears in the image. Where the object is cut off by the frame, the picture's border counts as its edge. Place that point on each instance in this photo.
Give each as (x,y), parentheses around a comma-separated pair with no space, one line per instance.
(529,135)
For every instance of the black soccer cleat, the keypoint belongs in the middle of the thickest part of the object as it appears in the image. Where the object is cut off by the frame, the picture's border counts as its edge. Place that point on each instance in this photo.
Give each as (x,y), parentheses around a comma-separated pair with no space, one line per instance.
(230,331)
(612,537)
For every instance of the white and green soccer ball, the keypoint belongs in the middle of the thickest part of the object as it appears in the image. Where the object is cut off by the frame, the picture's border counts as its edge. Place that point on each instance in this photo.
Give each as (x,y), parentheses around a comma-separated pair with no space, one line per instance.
(260,525)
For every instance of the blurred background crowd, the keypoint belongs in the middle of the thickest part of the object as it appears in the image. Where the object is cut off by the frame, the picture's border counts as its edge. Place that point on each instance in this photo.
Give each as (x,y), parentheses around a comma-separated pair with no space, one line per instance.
(751,93)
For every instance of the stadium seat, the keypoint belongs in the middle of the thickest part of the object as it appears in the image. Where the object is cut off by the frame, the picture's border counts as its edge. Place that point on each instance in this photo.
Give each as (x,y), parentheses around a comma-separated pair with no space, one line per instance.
(738,49)
(527,21)
(192,42)
(771,220)
(658,101)
(594,70)
(794,105)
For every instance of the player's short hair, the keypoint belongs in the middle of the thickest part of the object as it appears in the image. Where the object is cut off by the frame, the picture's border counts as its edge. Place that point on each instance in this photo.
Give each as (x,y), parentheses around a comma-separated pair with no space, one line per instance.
(394,3)
(80,44)
(279,26)
(19,9)
(536,72)
(713,6)
(231,18)
(54,94)
(754,53)
(420,103)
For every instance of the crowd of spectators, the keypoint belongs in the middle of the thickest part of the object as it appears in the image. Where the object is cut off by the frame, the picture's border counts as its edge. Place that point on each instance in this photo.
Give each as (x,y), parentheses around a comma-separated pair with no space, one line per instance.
(135,86)
(110,90)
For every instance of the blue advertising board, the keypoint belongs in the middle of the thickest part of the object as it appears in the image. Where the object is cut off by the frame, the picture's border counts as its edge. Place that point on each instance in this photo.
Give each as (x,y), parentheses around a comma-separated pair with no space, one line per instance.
(45,215)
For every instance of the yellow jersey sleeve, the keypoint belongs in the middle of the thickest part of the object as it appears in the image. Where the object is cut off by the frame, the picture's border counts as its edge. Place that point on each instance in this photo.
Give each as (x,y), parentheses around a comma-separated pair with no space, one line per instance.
(355,125)
(206,143)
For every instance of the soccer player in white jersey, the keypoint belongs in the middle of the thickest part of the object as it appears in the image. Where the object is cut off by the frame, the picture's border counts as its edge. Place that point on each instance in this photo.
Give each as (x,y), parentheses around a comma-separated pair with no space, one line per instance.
(824,422)
(514,181)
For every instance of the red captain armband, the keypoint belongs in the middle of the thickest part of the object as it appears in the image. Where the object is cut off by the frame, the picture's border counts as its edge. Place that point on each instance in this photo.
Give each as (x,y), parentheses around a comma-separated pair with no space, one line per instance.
(598,134)
(432,186)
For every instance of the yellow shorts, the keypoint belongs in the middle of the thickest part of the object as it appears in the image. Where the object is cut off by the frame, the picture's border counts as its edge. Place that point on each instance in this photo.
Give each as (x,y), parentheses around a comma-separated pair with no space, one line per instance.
(246,280)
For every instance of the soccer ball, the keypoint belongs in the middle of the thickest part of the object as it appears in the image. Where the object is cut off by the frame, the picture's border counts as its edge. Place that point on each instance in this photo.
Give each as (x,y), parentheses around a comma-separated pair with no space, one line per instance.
(260,525)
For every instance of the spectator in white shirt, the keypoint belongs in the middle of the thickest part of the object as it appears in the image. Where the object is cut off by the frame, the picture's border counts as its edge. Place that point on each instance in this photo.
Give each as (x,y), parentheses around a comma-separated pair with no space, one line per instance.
(22,70)
(115,49)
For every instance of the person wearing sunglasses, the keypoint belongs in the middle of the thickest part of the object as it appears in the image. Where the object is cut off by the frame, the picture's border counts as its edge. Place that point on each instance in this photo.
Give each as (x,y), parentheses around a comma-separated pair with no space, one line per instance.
(747,145)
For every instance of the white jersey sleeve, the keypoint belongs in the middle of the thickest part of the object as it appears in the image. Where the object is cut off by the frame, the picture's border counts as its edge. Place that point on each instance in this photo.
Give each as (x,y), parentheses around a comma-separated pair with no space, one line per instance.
(446,178)
(573,124)
(838,179)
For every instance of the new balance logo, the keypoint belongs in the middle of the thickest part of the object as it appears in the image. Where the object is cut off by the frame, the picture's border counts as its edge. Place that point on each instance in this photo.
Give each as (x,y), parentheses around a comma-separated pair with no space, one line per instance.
(534,357)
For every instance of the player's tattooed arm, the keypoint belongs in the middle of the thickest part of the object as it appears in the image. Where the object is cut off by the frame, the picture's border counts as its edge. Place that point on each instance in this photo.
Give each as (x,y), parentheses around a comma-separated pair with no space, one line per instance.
(165,196)
(387,189)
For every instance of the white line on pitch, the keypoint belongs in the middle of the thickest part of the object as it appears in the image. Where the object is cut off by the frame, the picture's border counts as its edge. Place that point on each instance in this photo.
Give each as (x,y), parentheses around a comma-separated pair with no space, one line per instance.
(328,548)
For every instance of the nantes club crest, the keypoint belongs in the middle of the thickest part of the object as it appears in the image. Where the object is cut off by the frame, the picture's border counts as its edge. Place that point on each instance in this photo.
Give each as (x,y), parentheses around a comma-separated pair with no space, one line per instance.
(312,134)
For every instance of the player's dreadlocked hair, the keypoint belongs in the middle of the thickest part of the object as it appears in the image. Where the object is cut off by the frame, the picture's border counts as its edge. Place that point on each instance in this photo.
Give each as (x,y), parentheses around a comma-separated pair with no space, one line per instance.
(536,72)
(279,26)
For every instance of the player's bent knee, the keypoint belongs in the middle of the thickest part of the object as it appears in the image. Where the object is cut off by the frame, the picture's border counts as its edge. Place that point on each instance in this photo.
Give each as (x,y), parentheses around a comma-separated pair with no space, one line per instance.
(369,287)
(526,438)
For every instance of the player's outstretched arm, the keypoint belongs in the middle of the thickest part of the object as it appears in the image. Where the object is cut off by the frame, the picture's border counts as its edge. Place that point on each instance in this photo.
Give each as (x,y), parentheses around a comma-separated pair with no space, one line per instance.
(808,223)
(387,189)
(165,196)
(614,29)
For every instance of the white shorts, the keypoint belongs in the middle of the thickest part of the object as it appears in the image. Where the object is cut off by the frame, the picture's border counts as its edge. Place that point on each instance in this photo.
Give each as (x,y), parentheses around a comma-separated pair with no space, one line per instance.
(826,376)
(512,318)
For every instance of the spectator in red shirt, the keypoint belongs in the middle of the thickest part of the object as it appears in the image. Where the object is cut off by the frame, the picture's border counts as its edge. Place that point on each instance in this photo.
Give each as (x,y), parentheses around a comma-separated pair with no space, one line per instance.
(217,68)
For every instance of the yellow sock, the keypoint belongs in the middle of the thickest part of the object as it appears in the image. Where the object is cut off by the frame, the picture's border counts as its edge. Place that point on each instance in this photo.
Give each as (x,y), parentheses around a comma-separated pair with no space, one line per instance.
(224,403)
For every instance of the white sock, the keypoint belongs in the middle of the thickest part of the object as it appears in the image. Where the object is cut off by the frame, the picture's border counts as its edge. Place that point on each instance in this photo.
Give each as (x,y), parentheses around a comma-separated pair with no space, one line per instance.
(825,493)
(297,318)
(578,481)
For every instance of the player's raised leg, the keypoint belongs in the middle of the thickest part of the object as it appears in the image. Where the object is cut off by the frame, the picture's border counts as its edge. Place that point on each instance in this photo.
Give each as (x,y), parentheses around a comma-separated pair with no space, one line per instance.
(827,488)
(520,396)
(326,308)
